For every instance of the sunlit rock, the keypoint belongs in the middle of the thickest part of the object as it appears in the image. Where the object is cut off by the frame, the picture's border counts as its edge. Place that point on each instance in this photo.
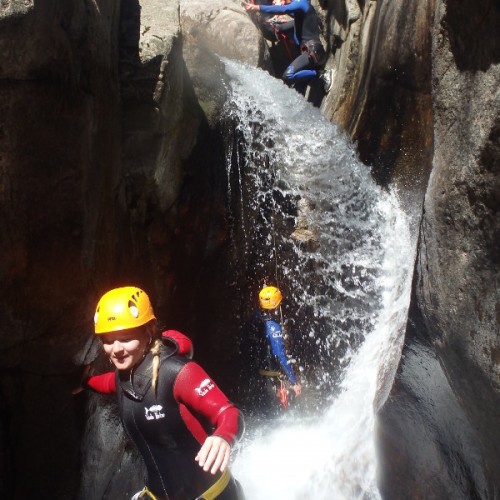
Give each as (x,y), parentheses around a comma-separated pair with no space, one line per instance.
(223,27)
(211,30)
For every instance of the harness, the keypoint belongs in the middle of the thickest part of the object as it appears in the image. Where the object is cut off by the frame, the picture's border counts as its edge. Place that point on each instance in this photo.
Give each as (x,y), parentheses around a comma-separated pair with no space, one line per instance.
(315,51)
(144,493)
(269,373)
(281,37)
(211,494)
(217,488)
(283,394)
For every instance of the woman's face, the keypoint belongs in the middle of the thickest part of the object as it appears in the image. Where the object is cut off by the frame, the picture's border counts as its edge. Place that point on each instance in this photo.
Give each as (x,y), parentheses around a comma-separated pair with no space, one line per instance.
(126,347)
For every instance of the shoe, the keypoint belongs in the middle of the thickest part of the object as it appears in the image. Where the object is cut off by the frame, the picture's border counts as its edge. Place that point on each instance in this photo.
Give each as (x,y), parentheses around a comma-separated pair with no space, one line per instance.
(327,79)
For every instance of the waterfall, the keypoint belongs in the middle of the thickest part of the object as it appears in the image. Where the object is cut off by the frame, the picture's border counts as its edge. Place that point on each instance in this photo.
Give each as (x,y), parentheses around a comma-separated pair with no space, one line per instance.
(307,214)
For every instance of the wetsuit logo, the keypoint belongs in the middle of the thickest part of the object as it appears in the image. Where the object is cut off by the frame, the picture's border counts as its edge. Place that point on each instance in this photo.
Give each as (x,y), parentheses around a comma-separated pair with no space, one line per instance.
(154,413)
(205,386)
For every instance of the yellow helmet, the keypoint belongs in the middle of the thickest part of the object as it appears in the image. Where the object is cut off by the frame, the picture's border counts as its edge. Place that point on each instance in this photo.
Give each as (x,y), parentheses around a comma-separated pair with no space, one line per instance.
(121,309)
(270,297)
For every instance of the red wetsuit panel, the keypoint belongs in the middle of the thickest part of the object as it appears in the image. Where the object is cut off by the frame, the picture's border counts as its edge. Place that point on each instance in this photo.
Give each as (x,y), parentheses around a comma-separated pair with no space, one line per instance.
(184,343)
(104,384)
(195,390)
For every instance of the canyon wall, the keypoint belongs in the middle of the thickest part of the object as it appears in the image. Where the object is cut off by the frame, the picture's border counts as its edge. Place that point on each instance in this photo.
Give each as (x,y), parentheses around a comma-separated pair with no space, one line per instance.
(59,220)
(417,87)
(443,412)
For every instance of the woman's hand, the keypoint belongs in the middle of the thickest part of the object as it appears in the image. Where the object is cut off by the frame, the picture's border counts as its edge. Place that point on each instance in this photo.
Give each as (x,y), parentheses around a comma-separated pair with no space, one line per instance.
(297,388)
(251,7)
(214,454)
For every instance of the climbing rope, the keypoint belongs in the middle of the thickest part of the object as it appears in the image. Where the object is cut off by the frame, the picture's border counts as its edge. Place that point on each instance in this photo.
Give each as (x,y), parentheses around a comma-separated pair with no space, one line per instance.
(275,246)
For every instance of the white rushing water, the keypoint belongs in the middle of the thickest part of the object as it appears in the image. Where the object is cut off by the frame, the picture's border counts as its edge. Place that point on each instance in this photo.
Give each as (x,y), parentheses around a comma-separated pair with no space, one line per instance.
(350,290)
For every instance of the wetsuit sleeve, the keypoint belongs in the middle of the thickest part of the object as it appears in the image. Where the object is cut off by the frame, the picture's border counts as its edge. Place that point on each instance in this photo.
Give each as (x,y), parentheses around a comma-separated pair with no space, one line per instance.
(275,337)
(183,342)
(290,8)
(103,384)
(198,392)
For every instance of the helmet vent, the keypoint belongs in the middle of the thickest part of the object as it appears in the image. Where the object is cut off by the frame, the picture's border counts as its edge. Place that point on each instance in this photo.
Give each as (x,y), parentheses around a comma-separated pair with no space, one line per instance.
(134,310)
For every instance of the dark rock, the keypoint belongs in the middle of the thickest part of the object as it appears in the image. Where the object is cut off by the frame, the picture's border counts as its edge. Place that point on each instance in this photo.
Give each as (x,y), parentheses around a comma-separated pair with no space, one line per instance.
(456,285)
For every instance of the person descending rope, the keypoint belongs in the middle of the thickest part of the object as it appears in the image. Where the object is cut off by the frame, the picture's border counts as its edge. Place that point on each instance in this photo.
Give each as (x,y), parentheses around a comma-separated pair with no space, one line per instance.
(180,421)
(310,63)
(265,358)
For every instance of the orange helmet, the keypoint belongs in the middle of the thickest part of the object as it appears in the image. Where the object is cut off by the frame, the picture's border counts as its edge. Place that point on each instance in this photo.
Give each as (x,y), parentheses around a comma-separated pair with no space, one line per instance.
(121,309)
(270,297)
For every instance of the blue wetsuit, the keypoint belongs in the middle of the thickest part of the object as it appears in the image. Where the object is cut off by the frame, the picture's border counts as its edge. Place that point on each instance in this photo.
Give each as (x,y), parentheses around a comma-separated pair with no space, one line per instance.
(306,36)
(274,336)
(262,358)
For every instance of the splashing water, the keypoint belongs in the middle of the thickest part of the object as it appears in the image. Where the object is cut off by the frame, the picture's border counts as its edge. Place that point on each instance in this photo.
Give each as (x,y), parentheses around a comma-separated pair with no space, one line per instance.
(312,219)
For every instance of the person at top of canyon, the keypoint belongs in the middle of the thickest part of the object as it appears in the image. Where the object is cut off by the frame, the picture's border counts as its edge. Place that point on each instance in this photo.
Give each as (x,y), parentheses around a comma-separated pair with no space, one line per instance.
(310,63)
(181,422)
(275,27)
(265,365)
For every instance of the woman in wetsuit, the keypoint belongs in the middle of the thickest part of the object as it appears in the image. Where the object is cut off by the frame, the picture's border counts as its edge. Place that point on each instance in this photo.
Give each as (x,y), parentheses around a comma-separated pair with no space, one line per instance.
(309,64)
(181,422)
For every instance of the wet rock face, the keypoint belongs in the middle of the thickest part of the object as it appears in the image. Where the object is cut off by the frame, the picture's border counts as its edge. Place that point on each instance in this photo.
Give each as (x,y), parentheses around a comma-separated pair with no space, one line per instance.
(428,447)
(381,53)
(58,153)
(97,131)
(458,266)
(456,288)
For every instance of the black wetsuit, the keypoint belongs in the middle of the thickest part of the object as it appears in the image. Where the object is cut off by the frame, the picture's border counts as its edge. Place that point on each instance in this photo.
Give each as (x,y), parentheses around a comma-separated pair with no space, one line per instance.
(168,432)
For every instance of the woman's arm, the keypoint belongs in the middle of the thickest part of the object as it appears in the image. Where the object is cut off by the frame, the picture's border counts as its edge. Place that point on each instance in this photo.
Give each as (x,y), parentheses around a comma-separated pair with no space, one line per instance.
(103,384)
(197,393)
